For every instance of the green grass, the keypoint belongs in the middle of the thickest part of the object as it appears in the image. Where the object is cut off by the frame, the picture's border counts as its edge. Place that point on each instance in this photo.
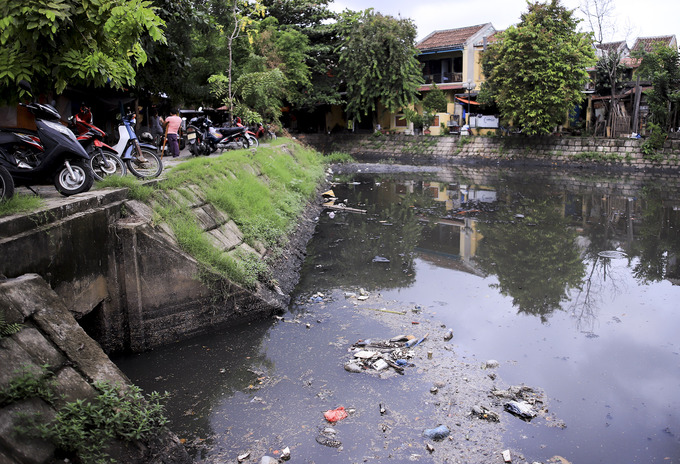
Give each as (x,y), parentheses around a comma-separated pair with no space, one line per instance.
(597,156)
(136,187)
(262,192)
(339,157)
(20,203)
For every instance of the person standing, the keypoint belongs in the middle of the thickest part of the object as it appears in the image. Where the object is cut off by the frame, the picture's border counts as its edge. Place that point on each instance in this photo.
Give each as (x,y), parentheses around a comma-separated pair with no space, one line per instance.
(172,125)
(157,127)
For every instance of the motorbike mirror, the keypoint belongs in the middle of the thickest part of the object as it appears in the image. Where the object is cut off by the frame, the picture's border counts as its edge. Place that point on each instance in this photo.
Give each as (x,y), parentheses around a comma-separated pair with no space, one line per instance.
(25,85)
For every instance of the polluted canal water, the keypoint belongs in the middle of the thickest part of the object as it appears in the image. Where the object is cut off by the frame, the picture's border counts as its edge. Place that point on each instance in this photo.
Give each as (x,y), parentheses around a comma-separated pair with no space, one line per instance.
(455,315)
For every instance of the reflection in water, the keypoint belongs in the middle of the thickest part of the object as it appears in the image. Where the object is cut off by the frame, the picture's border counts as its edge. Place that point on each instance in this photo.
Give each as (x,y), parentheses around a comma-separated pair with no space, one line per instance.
(529,247)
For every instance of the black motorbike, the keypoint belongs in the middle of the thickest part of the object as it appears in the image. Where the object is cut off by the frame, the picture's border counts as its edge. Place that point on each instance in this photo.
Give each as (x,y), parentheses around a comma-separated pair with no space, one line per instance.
(6,184)
(197,136)
(49,155)
(204,139)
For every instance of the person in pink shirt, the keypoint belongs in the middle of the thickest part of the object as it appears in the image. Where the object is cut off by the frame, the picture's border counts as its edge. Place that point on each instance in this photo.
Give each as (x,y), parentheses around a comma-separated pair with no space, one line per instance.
(172,125)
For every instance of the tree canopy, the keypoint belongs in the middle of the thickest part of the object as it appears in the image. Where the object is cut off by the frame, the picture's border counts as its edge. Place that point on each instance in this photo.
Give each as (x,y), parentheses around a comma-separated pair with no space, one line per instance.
(662,67)
(377,58)
(93,42)
(536,70)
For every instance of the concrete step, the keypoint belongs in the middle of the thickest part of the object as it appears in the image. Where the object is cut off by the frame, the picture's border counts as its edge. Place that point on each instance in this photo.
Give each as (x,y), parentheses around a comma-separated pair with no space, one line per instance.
(58,207)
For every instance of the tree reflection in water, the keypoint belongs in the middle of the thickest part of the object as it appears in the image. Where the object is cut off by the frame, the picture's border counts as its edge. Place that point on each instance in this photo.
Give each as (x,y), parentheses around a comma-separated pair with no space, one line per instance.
(529,247)
(658,240)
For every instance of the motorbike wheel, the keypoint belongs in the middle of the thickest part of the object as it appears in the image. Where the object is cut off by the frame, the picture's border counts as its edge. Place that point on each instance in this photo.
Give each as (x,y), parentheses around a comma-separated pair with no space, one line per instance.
(6,184)
(80,182)
(106,164)
(203,149)
(152,166)
(252,141)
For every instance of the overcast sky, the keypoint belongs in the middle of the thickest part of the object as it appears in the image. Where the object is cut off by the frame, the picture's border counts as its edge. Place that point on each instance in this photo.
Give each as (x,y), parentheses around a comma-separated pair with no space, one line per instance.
(644,18)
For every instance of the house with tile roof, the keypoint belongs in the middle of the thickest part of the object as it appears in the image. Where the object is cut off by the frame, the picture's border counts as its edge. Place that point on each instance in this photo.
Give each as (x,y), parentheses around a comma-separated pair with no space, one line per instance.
(451,61)
(630,106)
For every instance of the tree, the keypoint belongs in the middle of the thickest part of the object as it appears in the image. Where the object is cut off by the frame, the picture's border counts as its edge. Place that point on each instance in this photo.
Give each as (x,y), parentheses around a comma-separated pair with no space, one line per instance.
(535,258)
(609,69)
(435,101)
(318,24)
(377,58)
(91,42)
(536,71)
(168,70)
(662,67)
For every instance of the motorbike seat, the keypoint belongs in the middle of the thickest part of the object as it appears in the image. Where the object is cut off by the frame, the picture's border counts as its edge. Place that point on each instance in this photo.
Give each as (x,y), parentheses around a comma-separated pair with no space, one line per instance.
(229,130)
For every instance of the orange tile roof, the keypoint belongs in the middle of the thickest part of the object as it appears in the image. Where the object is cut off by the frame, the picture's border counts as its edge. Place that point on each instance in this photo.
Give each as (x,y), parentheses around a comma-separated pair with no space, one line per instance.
(448,37)
(647,43)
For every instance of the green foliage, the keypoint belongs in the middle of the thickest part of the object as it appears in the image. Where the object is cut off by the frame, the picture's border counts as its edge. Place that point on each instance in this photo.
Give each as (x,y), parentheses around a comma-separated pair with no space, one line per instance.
(20,203)
(265,205)
(39,42)
(29,382)
(654,141)
(414,117)
(168,69)
(435,100)
(597,156)
(662,67)
(317,22)
(191,239)
(6,328)
(535,258)
(537,69)
(378,62)
(85,427)
(136,189)
(263,92)
(338,157)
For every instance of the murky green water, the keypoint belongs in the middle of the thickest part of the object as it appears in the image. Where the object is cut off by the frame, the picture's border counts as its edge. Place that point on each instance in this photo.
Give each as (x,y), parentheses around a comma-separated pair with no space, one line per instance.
(571,283)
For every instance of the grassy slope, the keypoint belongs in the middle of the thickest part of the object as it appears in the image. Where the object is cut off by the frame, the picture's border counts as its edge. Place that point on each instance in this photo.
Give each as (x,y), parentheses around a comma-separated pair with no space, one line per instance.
(263,192)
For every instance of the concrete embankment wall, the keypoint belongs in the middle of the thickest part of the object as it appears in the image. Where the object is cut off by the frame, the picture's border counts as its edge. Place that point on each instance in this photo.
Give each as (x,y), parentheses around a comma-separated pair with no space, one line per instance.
(50,336)
(126,279)
(568,151)
(123,274)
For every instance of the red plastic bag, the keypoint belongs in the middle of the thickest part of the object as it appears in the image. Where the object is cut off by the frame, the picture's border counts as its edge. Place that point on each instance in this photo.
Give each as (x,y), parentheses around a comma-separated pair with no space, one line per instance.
(334,415)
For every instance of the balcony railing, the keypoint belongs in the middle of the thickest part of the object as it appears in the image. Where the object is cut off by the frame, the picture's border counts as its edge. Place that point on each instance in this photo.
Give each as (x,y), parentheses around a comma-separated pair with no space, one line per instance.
(443,78)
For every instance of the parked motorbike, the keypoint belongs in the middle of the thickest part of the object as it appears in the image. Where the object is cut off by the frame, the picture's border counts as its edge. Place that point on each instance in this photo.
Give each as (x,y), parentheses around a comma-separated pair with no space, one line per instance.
(250,135)
(204,138)
(49,155)
(197,135)
(91,138)
(140,158)
(6,184)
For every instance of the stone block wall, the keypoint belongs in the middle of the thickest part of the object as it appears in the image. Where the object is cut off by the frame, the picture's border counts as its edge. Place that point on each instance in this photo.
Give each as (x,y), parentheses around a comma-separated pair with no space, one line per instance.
(566,151)
(51,336)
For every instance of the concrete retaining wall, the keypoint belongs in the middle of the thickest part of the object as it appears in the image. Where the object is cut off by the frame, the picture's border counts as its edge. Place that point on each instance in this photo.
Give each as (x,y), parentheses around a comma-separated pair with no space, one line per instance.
(51,336)
(568,151)
(126,279)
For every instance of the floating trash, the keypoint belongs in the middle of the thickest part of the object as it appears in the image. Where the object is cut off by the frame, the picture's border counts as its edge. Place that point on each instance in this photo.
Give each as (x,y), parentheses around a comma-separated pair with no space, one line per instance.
(612,254)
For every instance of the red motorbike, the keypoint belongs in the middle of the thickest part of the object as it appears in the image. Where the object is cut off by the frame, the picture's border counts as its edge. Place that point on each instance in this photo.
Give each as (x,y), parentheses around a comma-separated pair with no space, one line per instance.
(103,160)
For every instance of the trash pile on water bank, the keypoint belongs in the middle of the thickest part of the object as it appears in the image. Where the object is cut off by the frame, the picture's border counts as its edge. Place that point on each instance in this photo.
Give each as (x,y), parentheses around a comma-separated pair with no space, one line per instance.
(374,356)
(458,407)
